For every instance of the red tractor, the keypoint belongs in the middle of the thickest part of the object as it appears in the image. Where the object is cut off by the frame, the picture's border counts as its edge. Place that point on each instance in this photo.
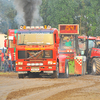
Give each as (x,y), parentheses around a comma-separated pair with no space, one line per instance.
(70,63)
(92,52)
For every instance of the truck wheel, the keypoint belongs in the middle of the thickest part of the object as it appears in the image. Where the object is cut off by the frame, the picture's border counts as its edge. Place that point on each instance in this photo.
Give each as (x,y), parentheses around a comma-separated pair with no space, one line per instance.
(21,75)
(56,73)
(96,66)
(66,69)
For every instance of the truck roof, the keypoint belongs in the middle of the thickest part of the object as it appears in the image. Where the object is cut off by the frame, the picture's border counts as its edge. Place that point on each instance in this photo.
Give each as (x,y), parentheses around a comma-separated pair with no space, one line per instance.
(35,31)
(90,37)
(12,31)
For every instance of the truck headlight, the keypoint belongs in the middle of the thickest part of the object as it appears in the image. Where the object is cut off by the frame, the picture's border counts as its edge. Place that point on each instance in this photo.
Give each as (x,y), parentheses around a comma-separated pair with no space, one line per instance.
(20,63)
(37,64)
(49,62)
(28,64)
(41,64)
(33,64)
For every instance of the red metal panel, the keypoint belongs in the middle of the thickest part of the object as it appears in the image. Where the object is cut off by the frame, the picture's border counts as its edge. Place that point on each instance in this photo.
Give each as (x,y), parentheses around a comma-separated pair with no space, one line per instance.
(47,69)
(78,66)
(42,68)
(11,32)
(95,52)
(61,67)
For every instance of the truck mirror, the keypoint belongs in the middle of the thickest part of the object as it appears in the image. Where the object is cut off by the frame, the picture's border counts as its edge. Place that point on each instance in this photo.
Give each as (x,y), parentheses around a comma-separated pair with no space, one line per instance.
(14,40)
(5,43)
(58,40)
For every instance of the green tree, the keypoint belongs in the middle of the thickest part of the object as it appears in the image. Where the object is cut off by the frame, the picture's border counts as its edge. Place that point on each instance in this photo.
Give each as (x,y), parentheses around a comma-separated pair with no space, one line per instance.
(86,13)
(7,15)
(58,12)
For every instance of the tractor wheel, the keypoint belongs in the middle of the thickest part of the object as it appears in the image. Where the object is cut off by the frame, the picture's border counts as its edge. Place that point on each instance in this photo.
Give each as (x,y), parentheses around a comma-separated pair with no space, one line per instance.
(21,75)
(66,69)
(56,73)
(96,66)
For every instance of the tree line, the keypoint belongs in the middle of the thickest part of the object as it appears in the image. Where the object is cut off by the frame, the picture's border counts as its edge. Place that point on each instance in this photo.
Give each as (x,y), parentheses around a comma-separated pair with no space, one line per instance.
(7,15)
(86,13)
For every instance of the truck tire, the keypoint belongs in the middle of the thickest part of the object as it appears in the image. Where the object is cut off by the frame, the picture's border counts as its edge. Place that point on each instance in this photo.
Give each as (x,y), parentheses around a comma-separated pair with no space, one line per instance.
(33,75)
(30,75)
(66,69)
(56,73)
(21,75)
(96,66)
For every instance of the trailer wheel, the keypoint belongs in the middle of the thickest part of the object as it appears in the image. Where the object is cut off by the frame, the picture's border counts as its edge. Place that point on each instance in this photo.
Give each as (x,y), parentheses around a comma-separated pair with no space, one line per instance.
(96,66)
(21,75)
(56,73)
(66,69)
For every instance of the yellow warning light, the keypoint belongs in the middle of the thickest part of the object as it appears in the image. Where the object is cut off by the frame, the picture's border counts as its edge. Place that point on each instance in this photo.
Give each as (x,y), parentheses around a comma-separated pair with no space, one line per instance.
(21,27)
(24,27)
(45,26)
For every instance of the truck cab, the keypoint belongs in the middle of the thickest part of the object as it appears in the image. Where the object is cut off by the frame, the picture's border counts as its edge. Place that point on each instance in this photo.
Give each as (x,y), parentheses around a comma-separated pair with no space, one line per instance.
(36,51)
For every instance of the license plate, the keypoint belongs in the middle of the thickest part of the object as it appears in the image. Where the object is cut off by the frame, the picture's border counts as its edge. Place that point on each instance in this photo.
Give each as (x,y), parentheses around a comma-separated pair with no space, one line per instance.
(48,71)
(35,69)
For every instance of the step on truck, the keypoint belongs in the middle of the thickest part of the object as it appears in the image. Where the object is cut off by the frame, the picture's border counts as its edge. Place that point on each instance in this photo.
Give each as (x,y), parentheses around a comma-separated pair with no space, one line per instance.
(36,51)
(70,62)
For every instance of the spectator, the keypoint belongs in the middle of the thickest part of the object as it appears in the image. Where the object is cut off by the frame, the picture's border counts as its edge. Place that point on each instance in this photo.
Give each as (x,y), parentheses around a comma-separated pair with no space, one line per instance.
(1,59)
(6,63)
(10,60)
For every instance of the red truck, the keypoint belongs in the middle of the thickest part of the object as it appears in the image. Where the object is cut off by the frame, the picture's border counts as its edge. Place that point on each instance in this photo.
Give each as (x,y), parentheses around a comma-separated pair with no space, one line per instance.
(70,63)
(9,44)
(36,51)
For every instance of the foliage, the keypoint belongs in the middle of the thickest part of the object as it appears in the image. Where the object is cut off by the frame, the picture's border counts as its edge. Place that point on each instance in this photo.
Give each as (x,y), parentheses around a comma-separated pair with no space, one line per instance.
(86,13)
(7,15)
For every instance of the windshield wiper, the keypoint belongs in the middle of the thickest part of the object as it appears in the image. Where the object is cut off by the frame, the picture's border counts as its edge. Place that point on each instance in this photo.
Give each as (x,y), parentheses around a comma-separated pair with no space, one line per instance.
(38,43)
(35,43)
(22,44)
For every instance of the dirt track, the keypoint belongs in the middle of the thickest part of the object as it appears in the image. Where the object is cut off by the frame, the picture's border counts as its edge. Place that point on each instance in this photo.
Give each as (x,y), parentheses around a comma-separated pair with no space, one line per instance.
(74,88)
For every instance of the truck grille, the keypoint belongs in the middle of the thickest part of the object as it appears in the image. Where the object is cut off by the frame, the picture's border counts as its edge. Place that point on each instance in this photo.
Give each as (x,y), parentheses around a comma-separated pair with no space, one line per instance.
(32,54)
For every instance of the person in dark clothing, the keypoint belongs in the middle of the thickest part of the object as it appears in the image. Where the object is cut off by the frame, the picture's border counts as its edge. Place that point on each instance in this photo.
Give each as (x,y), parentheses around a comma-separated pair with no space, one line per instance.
(1,59)
(10,60)
(6,63)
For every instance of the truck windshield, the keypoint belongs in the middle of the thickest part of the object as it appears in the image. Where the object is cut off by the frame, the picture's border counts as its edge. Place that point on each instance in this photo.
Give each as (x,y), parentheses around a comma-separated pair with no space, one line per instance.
(91,43)
(82,44)
(35,39)
(67,42)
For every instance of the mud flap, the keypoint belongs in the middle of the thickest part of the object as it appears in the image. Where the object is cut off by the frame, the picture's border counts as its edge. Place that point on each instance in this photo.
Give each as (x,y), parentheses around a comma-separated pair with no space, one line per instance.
(66,69)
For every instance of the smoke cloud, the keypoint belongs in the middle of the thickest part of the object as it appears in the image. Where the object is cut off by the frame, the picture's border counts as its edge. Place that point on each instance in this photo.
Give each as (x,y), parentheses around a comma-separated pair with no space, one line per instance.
(28,12)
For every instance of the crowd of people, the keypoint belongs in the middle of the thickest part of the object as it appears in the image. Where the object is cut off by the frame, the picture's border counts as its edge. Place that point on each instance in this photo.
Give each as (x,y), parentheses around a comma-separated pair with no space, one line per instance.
(6,61)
